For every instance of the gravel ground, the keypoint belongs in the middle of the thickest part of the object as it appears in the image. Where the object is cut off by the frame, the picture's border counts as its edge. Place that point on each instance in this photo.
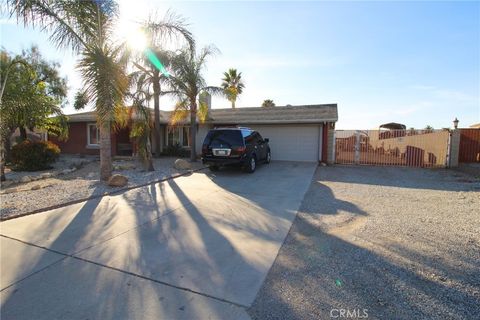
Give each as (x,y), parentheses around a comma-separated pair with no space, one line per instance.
(80,184)
(390,243)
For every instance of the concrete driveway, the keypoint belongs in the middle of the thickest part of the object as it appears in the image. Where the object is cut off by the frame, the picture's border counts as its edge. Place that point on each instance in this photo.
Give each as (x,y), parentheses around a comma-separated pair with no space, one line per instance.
(196,247)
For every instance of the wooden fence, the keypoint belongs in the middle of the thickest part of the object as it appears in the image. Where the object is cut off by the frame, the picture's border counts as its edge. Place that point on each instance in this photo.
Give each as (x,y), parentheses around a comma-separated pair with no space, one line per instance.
(414,148)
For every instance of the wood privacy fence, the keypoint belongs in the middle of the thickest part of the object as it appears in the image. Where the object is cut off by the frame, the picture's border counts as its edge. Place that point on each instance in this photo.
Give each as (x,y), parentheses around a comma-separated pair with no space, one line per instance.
(469,145)
(414,148)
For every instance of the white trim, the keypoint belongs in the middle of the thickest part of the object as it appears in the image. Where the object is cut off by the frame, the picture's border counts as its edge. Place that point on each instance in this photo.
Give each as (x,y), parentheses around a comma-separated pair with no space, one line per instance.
(92,145)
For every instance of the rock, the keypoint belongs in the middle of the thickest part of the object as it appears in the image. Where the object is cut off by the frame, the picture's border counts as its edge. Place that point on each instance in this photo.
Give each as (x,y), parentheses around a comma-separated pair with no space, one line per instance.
(46,175)
(91,175)
(119,167)
(6,183)
(66,171)
(182,164)
(11,190)
(25,179)
(35,187)
(117,180)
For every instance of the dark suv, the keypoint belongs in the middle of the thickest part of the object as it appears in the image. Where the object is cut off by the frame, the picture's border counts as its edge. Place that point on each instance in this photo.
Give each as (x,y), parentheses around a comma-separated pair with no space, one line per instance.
(235,146)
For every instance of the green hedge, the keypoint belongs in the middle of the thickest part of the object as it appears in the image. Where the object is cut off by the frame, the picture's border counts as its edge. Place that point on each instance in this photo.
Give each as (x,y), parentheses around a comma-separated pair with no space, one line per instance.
(32,156)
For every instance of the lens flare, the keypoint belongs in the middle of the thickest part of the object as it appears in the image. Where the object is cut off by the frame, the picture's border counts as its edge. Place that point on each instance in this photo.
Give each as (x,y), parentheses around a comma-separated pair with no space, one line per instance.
(152,57)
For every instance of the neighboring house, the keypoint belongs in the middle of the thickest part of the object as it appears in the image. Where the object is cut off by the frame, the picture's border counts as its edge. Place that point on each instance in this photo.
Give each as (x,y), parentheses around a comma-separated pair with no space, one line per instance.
(297,133)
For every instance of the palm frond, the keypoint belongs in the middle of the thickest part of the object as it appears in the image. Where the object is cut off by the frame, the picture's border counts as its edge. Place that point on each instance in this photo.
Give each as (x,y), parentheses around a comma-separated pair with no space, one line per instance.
(171,27)
(180,113)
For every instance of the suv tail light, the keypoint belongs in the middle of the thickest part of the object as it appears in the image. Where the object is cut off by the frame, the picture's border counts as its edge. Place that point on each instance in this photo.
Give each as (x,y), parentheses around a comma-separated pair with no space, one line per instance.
(204,148)
(239,150)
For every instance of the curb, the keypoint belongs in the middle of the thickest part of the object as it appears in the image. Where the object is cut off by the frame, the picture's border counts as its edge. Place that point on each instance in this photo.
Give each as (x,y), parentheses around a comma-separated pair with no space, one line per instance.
(65,204)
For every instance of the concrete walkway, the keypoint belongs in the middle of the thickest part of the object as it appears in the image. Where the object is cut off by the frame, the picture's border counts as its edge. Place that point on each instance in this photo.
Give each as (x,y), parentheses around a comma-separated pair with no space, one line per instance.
(196,247)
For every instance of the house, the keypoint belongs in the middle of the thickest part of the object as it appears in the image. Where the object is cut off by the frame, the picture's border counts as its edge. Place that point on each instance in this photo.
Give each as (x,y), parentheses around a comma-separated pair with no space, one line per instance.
(296,133)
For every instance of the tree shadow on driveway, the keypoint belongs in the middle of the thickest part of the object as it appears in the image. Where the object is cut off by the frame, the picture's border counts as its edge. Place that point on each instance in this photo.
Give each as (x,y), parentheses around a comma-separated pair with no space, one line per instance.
(320,270)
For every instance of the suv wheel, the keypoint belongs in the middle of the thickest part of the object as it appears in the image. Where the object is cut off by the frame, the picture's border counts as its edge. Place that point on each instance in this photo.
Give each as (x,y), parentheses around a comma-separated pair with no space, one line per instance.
(251,165)
(269,157)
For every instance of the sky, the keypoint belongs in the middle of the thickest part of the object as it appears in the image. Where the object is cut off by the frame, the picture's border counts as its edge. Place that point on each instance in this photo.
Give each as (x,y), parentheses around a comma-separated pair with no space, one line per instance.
(417,63)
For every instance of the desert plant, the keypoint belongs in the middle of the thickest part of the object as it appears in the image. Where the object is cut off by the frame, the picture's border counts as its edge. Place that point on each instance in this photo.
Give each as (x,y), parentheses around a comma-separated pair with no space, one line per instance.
(32,156)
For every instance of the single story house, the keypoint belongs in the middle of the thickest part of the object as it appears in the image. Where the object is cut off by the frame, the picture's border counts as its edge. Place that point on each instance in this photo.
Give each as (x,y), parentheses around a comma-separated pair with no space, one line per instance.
(296,133)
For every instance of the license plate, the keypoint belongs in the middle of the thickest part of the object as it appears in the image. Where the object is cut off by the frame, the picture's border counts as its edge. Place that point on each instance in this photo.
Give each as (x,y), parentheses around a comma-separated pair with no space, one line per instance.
(221,153)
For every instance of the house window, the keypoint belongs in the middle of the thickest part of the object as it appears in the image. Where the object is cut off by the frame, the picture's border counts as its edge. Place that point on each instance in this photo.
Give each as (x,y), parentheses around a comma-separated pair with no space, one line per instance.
(178,135)
(186,136)
(173,136)
(93,135)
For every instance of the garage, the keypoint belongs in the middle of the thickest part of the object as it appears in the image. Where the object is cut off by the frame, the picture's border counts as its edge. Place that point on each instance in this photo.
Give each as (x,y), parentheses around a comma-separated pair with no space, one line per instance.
(292,142)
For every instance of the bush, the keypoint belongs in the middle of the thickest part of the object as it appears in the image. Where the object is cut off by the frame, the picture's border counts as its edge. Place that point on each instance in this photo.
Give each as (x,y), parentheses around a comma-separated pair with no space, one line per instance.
(176,151)
(32,156)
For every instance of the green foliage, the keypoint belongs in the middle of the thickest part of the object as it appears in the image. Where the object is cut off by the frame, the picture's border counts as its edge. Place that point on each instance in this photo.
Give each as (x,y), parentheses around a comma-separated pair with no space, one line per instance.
(268,103)
(34,92)
(33,156)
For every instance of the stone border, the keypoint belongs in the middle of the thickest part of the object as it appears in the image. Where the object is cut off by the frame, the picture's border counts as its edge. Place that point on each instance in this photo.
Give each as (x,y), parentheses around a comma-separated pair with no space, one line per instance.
(65,204)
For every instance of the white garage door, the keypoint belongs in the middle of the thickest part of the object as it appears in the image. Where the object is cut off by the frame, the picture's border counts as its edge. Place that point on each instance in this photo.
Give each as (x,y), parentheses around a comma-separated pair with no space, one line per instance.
(292,142)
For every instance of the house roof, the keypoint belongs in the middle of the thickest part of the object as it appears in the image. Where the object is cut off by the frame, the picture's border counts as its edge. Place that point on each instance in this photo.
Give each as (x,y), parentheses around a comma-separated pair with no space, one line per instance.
(270,115)
(261,115)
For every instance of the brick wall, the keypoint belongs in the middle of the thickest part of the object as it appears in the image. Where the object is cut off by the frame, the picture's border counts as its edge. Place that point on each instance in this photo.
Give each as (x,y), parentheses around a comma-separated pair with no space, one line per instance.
(77,141)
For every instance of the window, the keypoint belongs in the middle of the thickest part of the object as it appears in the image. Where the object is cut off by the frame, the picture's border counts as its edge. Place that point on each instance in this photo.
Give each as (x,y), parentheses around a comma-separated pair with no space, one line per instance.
(93,135)
(186,136)
(173,136)
(178,135)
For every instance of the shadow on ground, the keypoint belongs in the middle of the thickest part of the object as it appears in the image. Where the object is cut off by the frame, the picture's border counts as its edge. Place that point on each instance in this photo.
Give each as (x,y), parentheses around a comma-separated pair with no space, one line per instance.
(332,260)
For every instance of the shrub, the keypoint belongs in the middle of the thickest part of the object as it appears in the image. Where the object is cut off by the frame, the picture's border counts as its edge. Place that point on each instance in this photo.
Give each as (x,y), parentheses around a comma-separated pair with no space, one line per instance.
(32,156)
(176,151)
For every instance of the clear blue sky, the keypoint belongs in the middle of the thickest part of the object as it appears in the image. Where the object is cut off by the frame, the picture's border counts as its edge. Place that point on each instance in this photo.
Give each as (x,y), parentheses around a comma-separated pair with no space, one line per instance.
(416,63)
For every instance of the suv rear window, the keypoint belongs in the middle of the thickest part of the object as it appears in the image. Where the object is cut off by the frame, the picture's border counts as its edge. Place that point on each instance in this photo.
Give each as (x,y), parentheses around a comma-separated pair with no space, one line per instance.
(223,138)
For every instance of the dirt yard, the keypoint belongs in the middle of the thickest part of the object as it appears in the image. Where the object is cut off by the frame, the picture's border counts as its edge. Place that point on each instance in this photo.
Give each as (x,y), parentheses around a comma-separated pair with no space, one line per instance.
(382,242)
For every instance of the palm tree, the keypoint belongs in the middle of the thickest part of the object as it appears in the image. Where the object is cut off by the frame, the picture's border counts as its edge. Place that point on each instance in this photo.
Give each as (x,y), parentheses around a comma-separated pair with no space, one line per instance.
(188,84)
(232,85)
(86,27)
(157,33)
(142,125)
(268,103)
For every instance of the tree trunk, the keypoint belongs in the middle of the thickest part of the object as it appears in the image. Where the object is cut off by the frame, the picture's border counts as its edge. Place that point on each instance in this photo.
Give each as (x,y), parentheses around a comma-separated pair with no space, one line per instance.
(156,113)
(233,104)
(149,160)
(23,133)
(105,152)
(8,147)
(193,132)
(2,159)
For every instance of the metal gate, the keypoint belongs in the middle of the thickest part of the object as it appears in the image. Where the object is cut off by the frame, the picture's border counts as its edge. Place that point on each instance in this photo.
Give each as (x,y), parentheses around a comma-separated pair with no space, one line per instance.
(414,148)
(469,145)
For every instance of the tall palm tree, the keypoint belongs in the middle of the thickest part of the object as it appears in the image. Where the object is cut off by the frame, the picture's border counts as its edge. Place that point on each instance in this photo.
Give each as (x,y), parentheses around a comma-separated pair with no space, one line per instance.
(158,33)
(232,85)
(188,83)
(86,27)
